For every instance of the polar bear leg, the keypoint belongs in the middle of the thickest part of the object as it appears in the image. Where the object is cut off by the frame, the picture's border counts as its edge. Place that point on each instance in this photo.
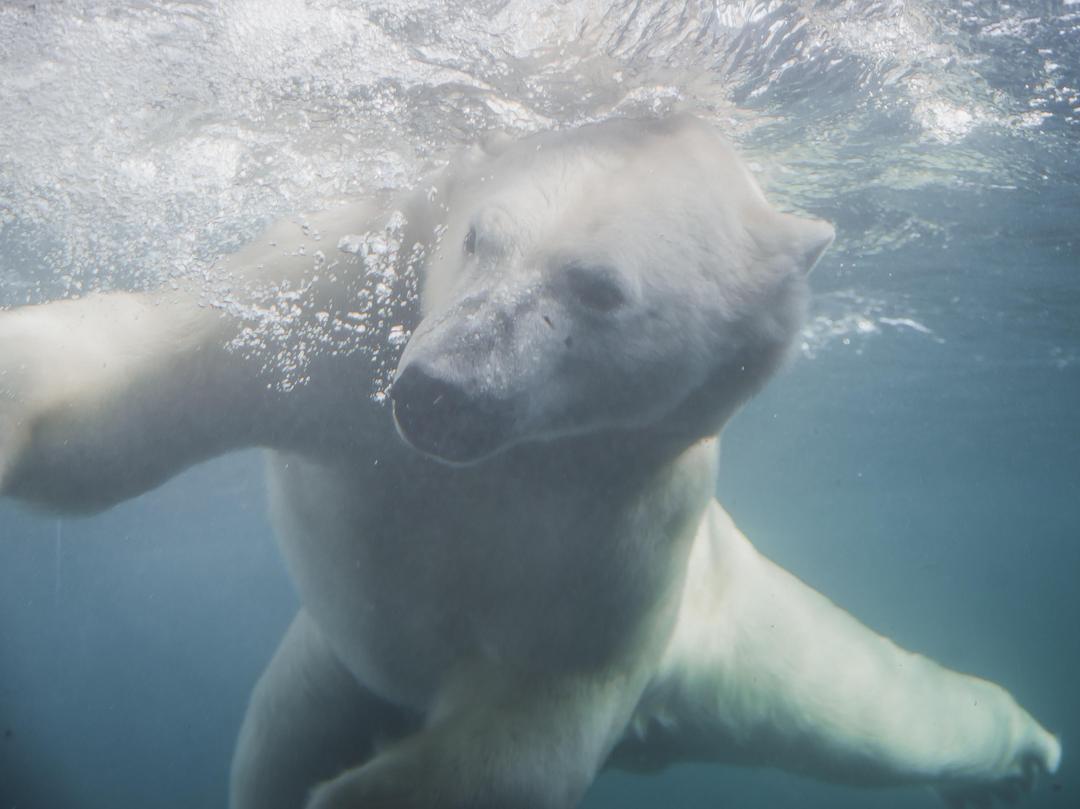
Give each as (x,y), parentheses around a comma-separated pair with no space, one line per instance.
(765,670)
(104,397)
(495,742)
(308,719)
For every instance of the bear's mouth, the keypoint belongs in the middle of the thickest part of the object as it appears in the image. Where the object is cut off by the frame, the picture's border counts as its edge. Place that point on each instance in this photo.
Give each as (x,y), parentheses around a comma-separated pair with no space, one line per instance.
(440,419)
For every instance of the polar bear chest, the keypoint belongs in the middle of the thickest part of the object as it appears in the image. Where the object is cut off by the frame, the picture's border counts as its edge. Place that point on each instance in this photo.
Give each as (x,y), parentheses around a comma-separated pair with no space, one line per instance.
(412,568)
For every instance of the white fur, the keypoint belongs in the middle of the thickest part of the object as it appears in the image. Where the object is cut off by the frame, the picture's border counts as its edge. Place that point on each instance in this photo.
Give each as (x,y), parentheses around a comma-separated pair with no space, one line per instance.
(536,581)
(762,669)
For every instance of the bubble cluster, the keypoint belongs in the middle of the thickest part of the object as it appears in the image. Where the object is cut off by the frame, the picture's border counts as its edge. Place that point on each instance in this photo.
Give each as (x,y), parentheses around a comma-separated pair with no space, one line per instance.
(140,142)
(845,317)
(357,304)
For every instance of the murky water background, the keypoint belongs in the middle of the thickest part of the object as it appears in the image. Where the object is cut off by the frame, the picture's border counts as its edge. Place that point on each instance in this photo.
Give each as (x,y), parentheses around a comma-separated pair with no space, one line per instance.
(920,462)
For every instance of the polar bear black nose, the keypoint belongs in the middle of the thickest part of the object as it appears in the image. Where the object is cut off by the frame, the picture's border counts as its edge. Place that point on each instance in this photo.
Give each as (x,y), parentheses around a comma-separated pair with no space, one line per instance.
(440,418)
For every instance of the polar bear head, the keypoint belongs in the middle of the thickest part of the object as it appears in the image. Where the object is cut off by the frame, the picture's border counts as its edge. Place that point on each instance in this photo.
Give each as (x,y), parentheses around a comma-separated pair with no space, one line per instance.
(627,276)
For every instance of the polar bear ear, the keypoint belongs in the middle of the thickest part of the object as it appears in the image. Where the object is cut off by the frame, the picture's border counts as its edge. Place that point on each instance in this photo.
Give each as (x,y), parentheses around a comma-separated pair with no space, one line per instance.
(789,243)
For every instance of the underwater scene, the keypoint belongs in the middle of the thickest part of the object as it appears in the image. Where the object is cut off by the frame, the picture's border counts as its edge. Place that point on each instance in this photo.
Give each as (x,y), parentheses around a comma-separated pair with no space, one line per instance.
(519,282)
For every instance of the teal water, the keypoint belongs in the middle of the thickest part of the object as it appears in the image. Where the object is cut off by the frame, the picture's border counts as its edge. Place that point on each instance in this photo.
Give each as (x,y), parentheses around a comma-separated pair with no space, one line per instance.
(919,462)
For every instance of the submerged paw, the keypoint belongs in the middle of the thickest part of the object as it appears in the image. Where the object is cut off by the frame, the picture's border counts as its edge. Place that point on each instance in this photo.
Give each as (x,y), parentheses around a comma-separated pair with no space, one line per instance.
(1041,756)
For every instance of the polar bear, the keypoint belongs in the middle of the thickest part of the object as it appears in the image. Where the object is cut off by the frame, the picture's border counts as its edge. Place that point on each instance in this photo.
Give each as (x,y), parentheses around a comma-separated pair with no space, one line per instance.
(514,572)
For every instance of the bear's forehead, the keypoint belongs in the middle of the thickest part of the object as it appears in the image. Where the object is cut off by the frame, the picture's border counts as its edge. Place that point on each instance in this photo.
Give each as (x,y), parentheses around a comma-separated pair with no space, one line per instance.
(606,203)
(560,183)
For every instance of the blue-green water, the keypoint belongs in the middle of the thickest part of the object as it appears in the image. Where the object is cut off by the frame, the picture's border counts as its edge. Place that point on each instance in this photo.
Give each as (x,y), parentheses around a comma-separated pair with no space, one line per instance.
(919,462)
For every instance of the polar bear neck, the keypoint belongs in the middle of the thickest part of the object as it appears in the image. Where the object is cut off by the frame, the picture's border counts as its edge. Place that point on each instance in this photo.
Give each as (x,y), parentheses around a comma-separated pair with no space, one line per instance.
(415,529)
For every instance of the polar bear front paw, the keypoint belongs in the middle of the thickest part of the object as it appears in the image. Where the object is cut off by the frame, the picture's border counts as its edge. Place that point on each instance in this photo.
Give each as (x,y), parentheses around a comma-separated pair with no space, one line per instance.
(13,438)
(17,382)
(1041,754)
(12,441)
(47,361)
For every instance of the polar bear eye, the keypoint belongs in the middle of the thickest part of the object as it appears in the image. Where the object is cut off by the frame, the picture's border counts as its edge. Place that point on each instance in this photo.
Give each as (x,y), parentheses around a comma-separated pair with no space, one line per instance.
(596,287)
(470,242)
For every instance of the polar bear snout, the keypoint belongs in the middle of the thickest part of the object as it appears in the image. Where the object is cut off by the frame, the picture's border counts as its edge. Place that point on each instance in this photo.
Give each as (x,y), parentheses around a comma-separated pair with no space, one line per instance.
(440,418)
